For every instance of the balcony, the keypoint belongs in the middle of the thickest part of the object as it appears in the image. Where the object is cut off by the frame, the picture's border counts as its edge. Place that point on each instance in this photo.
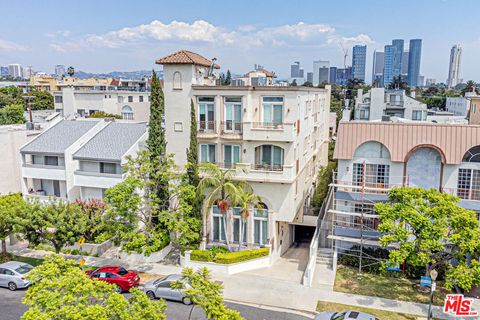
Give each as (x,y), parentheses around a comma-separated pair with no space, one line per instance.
(42,171)
(261,172)
(42,197)
(231,129)
(464,194)
(267,131)
(96,179)
(267,167)
(207,129)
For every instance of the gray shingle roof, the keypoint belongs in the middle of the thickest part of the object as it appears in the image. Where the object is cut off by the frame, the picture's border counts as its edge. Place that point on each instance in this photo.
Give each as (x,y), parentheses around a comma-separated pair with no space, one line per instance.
(112,142)
(58,138)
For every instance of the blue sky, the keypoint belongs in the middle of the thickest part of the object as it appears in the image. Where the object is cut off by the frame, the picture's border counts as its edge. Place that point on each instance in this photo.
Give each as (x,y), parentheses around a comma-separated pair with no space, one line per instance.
(104,35)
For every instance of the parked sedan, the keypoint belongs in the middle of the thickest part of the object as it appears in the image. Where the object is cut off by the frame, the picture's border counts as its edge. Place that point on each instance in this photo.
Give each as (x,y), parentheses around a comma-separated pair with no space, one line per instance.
(13,273)
(345,315)
(123,279)
(161,288)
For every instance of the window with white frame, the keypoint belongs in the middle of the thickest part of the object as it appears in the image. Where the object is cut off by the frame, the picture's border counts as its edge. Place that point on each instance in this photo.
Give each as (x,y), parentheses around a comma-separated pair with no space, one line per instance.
(127,113)
(260,225)
(207,153)
(375,175)
(272,112)
(206,114)
(231,155)
(237,221)
(218,226)
(269,157)
(418,115)
(468,184)
(233,114)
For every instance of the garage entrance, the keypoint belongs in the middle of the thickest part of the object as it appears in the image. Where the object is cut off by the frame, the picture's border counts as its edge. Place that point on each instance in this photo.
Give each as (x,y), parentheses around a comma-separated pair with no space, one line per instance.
(303,234)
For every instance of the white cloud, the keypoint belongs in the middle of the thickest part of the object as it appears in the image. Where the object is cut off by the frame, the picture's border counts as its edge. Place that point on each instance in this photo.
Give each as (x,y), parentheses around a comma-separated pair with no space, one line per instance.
(58,34)
(201,31)
(11,46)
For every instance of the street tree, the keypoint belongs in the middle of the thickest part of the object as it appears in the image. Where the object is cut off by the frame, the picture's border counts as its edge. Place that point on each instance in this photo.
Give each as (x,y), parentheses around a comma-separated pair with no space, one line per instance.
(156,142)
(61,290)
(219,187)
(11,206)
(246,201)
(426,228)
(205,293)
(192,151)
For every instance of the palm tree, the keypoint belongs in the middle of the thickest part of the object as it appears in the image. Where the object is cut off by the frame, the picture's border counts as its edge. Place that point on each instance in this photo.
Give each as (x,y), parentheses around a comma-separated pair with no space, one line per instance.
(220,187)
(245,200)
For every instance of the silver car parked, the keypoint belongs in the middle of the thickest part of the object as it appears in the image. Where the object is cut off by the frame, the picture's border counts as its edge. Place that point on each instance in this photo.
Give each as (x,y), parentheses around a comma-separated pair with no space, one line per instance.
(345,315)
(13,273)
(161,288)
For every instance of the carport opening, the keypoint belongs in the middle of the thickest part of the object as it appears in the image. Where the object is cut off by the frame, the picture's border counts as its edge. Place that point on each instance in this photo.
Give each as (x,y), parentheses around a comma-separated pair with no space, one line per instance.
(303,234)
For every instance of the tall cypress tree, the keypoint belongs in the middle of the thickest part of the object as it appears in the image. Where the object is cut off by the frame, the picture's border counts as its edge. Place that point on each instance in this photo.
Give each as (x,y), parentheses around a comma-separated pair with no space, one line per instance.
(192,151)
(156,142)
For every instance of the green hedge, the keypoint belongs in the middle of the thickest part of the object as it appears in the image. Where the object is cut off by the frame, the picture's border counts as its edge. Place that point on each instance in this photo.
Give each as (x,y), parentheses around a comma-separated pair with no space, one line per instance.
(201,255)
(234,257)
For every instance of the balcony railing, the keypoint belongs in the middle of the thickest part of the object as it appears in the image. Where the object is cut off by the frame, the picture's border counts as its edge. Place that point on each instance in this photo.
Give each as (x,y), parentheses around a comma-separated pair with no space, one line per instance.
(267,167)
(30,164)
(268,125)
(233,127)
(463,193)
(370,183)
(206,126)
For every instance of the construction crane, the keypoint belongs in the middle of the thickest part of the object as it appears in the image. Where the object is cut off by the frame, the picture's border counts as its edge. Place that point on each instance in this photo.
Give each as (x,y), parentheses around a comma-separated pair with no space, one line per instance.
(345,55)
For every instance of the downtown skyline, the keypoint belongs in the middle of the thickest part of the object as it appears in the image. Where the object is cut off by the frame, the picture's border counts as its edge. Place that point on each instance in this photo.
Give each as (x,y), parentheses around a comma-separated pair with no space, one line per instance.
(121,41)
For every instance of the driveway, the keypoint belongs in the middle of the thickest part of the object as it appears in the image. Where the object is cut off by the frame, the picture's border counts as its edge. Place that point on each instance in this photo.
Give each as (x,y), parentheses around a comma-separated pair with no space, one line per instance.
(289,267)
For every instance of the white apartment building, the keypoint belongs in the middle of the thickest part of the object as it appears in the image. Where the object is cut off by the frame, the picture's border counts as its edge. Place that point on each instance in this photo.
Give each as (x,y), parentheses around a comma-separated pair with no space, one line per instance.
(78,158)
(15,70)
(374,157)
(459,106)
(277,135)
(378,102)
(321,72)
(454,66)
(131,105)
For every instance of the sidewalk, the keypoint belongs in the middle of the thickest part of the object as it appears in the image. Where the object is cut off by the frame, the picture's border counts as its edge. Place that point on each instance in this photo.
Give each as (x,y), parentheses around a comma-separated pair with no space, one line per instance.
(261,290)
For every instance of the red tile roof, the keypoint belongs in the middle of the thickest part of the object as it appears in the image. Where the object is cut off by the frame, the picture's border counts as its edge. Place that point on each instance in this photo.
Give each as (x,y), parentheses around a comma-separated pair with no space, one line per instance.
(186,57)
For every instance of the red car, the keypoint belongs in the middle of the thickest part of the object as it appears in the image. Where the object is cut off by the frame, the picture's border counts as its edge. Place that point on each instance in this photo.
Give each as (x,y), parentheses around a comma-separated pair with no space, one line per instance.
(119,276)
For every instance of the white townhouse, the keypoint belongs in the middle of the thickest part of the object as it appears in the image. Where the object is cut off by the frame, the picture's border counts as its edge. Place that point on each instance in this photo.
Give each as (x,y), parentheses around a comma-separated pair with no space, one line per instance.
(78,158)
(379,102)
(277,135)
(130,104)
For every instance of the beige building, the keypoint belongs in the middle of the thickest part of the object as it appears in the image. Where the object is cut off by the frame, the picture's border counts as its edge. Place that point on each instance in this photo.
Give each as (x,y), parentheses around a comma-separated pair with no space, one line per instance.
(277,135)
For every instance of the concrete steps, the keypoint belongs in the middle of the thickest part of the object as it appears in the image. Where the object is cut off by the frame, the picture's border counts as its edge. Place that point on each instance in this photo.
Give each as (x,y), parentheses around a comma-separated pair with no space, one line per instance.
(324,276)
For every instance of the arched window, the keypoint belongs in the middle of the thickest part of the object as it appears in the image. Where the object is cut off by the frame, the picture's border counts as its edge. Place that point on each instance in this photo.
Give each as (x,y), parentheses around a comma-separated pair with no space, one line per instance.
(472,155)
(127,113)
(177,80)
(269,157)
(424,168)
(372,149)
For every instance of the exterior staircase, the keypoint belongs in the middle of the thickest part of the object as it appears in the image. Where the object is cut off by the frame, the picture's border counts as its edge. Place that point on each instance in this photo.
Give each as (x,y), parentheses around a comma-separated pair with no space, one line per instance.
(324,277)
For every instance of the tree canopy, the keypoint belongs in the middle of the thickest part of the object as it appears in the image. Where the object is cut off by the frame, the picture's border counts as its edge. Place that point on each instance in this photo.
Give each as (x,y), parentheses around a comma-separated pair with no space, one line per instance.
(61,290)
(11,206)
(428,229)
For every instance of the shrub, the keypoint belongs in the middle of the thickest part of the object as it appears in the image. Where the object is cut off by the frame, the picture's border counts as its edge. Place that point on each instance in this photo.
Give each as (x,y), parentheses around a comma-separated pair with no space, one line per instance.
(102,114)
(201,255)
(351,258)
(137,242)
(217,249)
(234,257)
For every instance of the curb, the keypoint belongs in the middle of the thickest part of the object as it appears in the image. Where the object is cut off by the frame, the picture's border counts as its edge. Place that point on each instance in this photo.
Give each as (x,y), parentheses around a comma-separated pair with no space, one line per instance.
(305,313)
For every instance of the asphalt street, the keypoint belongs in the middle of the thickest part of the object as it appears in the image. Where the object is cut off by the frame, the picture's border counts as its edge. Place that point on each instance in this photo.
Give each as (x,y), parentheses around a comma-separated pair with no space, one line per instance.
(11,308)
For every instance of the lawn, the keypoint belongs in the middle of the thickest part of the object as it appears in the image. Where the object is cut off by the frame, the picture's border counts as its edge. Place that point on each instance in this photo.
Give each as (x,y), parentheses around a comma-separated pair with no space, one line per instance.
(31,261)
(397,288)
(380,314)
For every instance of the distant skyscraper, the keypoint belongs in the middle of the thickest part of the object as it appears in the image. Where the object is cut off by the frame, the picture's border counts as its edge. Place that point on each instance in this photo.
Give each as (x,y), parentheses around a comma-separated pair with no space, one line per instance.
(388,65)
(343,74)
(15,70)
(454,67)
(397,57)
(310,77)
(59,70)
(333,75)
(3,71)
(359,58)
(414,59)
(321,70)
(27,72)
(404,71)
(377,71)
(430,82)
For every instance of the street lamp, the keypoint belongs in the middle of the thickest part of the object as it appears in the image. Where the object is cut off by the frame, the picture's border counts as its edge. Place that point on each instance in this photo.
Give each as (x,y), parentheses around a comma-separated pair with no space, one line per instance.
(433,275)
